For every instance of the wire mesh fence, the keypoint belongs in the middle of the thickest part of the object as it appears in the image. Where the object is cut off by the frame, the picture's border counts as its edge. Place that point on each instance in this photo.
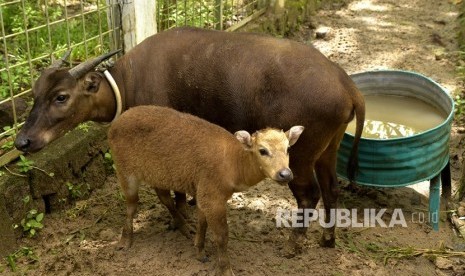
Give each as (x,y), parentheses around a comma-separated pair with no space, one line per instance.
(213,14)
(32,33)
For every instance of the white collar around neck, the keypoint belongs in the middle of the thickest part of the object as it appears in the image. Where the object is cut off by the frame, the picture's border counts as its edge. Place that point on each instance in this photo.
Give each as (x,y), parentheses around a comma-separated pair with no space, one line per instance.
(114,87)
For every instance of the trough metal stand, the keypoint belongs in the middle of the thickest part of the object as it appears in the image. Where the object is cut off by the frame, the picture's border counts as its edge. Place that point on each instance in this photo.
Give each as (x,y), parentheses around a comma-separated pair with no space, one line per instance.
(434,201)
(442,179)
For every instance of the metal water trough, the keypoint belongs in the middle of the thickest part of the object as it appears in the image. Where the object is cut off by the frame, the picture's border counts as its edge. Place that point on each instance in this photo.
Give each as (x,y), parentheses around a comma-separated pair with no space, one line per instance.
(408,160)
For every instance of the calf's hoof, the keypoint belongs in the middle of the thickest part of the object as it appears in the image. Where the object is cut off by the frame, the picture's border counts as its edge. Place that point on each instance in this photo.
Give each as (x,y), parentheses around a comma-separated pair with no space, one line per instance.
(184,228)
(187,230)
(202,257)
(124,243)
(183,211)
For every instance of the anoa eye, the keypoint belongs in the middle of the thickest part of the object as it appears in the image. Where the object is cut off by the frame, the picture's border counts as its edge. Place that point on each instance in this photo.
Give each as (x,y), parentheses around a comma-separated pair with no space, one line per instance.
(61,98)
(264,152)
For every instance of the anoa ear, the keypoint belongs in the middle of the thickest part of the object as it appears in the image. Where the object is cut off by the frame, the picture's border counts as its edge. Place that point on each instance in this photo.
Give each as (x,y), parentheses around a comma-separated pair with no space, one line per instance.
(244,137)
(92,82)
(293,134)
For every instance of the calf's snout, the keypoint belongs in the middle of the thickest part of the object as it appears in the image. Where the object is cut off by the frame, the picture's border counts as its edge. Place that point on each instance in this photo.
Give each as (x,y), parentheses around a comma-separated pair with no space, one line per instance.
(284,175)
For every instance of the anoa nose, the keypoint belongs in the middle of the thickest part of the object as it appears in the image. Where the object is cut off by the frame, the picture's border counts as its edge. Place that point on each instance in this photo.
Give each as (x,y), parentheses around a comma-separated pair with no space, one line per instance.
(284,175)
(22,143)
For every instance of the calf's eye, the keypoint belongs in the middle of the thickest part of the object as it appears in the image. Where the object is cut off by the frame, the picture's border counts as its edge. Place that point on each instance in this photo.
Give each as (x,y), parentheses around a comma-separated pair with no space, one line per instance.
(263,152)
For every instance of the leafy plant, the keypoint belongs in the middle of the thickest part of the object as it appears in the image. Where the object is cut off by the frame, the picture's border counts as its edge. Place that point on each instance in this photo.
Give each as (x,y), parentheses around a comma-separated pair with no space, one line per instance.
(33,220)
(23,252)
(9,131)
(84,126)
(26,200)
(77,190)
(77,210)
(24,164)
(109,160)
(32,223)
(459,105)
(8,145)
(9,134)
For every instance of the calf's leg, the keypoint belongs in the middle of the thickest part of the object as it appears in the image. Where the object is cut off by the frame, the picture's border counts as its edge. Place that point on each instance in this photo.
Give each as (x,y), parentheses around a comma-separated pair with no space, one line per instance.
(179,221)
(130,187)
(215,214)
(200,236)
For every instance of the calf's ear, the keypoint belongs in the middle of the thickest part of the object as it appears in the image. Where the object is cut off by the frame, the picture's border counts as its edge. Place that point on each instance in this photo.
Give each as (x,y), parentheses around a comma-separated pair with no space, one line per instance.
(244,137)
(92,82)
(293,134)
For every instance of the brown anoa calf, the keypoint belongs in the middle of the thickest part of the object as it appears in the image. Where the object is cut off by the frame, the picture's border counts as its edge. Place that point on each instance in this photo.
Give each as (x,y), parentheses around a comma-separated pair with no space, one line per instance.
(170,150)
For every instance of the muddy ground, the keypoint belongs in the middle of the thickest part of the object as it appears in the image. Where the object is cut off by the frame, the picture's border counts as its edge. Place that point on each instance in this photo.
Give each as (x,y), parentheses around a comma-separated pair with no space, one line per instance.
(416,35)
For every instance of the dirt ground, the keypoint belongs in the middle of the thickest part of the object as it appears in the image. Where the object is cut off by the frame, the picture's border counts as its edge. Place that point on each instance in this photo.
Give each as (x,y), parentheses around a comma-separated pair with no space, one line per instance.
(416,35)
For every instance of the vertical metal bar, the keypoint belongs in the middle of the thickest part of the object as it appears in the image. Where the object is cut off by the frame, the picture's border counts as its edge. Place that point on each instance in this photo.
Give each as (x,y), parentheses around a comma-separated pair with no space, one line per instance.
(159,15)
(165,16)
(49,31)
(241,11)
(219,14)
(232,11)
(84,29)
(99,20)
(434,201)
(185,13)
(68,36)
(192,14)
(28,48)
(7,67)
(173,9)
(189,13)
(201,11)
